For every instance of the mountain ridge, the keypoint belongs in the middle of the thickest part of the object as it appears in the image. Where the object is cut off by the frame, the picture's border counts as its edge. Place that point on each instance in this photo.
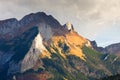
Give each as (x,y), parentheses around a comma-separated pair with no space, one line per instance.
(10,27)
(39,47)
(110,49)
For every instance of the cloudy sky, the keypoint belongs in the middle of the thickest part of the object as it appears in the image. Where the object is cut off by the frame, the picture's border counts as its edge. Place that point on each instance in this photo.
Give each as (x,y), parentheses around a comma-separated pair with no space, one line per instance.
(94,19)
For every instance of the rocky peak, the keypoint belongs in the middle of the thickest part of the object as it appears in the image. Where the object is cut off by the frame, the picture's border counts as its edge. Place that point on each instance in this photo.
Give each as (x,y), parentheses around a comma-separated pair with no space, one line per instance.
(42,44)
(69,26)
(113,49)
(7,25)
(12,27)
(8,21)
(110,49)
(96,47)
(39,17)
(33,17)
(94,44)
(37,36)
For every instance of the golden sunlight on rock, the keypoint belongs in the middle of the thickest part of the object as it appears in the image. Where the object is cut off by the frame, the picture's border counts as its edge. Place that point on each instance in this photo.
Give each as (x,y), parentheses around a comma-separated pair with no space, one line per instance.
(73,41)
(44,54)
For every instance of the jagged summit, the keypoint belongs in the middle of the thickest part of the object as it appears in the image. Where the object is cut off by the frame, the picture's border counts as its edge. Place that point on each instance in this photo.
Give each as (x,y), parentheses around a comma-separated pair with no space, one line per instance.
(11,28)
(38,47)
(110,49)
(32,17)
(40,17)
(8,20)
(50,32)
(69,26)
(113,49)
(37,36)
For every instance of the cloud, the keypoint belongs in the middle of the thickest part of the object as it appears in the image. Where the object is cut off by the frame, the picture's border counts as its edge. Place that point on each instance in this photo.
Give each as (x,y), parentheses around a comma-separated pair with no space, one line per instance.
(89,17)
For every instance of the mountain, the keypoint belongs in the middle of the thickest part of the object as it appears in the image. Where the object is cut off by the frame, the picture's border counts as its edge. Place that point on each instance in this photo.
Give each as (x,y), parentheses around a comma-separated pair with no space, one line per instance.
(110,49)
(38,47)
(113,49)
(96,47)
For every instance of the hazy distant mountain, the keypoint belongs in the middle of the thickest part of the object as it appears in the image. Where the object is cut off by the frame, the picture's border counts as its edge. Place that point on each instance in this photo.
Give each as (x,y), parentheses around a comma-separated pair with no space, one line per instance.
(113,49)
(110,49)
(38,47)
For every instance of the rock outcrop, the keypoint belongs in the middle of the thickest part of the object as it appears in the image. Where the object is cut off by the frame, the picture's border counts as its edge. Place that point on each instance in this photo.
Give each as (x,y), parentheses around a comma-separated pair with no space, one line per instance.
(69,26)
(12,27)
(96,47)
(39,47)
(23,43)
(113,49)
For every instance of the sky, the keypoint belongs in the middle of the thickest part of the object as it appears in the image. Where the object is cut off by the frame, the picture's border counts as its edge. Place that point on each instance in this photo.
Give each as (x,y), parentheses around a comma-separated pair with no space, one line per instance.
(94,19)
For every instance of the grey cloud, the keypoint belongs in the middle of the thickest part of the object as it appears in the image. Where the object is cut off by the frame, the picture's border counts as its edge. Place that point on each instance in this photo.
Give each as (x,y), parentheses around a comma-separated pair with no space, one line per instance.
(89,17)
(80,4)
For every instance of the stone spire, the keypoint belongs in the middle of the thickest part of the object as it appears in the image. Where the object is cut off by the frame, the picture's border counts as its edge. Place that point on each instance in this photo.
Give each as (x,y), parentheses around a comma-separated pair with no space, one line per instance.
(69,26)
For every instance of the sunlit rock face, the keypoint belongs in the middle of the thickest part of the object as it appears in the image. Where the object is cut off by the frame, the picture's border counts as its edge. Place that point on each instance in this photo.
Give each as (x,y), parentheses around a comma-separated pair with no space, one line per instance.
(37,48)
(33,54)
(20,48)
(69,26)
(38,37)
